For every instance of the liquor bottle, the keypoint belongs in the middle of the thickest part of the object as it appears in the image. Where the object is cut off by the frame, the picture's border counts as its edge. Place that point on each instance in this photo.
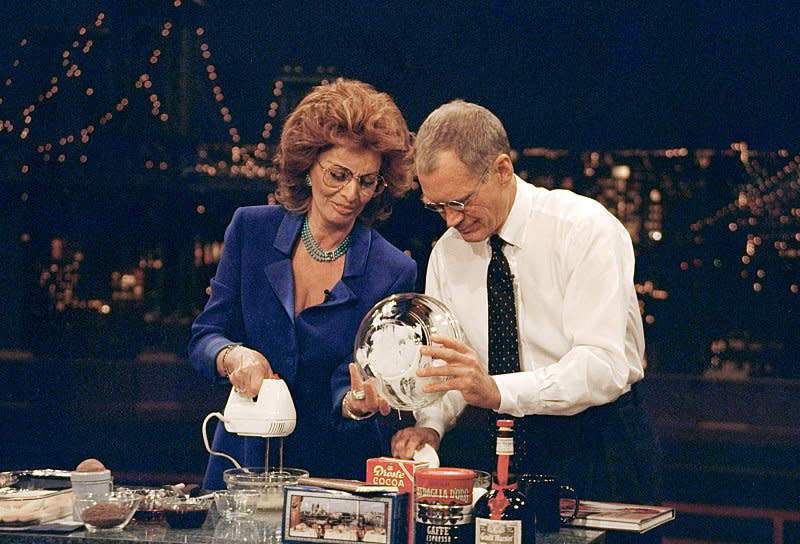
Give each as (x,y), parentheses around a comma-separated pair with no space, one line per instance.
(502,516)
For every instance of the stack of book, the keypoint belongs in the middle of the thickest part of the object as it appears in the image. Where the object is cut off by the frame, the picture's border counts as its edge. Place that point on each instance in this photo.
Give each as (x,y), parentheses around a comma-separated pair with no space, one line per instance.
(617,516)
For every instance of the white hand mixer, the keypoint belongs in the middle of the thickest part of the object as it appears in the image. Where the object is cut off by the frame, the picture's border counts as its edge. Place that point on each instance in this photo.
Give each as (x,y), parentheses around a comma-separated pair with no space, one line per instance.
(271,414)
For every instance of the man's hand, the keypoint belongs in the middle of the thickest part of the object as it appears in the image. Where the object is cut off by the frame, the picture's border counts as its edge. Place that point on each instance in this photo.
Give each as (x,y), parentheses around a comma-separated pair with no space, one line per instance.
(407,441)
(464,370)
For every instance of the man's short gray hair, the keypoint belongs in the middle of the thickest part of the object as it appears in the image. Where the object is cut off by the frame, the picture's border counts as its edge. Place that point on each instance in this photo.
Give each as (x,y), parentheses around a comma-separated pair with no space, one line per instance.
(471,131)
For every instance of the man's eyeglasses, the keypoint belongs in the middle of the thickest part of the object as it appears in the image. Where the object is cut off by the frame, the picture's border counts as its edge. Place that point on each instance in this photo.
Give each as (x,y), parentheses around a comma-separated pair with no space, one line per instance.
(337,176)
(456,205)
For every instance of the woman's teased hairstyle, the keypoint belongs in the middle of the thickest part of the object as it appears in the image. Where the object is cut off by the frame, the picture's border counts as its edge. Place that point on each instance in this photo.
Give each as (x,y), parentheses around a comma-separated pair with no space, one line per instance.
(349,113)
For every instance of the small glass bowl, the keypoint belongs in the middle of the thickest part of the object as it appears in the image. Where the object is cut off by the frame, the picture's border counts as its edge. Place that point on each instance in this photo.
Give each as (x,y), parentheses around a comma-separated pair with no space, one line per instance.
(483,479)
(236,504)
(187,512)
(107,511)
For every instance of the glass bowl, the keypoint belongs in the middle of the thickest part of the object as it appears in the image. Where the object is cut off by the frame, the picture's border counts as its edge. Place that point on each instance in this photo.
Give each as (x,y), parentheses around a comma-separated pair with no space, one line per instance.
(269,485)
(387,346)
(187,512)
(107,511)
(236,504)
(481,484)
(483,480)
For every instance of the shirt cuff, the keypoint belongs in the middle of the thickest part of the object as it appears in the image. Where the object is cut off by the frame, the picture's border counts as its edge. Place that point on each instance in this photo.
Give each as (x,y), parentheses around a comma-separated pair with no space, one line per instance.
(434,423)
(443,414)
(513,391)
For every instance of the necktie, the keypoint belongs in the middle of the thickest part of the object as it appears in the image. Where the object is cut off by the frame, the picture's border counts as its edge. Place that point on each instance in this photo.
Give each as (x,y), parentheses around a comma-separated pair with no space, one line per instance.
(503,341)
(503,338)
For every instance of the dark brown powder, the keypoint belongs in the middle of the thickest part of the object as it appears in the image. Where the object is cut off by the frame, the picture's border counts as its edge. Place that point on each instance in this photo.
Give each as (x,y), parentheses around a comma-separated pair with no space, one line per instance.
(105,515)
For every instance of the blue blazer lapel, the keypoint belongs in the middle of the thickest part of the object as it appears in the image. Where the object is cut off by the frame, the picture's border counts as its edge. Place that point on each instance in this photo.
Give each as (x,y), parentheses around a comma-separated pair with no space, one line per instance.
(354,267)
(360,240)
(279,272)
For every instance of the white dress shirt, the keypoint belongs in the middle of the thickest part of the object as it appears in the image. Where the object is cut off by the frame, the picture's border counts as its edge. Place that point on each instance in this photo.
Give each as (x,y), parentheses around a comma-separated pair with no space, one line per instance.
(580,327)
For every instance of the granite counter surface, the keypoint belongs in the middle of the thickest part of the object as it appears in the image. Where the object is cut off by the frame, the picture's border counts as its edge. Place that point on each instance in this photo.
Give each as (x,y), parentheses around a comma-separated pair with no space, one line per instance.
(218,531)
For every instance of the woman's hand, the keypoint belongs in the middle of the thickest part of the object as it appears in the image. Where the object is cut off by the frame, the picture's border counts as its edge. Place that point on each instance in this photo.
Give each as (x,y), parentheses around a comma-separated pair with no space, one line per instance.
(362,400)
(246,369)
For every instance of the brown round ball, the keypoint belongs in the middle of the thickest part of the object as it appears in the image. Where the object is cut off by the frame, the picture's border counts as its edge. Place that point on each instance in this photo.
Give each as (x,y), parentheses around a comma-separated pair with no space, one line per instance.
(90,465)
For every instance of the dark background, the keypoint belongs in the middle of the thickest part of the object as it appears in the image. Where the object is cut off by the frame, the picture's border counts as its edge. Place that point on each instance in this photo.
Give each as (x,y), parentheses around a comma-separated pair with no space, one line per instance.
(596,80)
(664,89)
(660,88)
(572,75)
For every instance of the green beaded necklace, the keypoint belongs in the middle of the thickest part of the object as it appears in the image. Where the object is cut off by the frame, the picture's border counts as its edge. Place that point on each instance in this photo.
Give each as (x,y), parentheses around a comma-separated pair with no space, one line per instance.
(316,251)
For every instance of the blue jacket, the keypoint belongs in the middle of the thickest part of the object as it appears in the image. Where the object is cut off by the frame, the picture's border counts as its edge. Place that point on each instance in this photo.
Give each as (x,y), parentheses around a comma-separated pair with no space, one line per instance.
(252,302)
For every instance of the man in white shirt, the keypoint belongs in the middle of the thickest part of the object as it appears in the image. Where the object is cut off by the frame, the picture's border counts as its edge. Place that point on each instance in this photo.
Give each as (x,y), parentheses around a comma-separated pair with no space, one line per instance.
(581,342)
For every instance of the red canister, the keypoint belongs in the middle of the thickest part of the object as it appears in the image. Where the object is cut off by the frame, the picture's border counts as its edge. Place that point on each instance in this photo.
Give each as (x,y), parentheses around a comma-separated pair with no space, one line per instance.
(444,485)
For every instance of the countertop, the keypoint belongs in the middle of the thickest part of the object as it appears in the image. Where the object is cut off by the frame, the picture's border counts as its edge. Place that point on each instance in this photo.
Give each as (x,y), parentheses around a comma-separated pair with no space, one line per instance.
(218,531)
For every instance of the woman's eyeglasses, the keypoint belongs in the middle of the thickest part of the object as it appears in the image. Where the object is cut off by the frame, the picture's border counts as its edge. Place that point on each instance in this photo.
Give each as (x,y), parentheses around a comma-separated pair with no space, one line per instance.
(337,176)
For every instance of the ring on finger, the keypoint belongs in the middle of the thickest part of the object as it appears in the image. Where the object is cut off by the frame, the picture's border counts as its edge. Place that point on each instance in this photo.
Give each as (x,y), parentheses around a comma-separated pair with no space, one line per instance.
(359,395)
(239,389)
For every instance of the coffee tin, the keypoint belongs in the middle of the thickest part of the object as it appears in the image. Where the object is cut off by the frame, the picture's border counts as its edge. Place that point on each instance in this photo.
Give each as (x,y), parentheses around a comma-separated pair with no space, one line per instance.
(444,485)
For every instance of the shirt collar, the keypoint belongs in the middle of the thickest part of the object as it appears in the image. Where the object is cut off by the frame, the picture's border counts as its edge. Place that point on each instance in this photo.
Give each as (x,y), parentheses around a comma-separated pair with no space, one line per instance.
(513,229)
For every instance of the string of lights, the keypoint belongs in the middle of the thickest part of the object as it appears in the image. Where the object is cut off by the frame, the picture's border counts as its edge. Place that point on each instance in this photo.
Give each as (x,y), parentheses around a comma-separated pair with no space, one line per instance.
(761,217)
(71,145)
(71,71)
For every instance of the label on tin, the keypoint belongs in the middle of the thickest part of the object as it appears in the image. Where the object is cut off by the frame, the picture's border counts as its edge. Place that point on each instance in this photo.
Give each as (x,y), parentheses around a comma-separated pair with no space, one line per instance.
(444,495)
(443,534)
(440,514)
(444,485)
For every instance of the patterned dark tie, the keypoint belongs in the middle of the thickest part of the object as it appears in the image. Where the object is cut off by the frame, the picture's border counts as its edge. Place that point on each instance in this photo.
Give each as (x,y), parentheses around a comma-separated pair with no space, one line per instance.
(503,341)
(503,338)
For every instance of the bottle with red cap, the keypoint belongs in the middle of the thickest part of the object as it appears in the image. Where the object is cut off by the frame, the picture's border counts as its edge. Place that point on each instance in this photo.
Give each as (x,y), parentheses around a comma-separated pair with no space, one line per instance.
(502,515)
